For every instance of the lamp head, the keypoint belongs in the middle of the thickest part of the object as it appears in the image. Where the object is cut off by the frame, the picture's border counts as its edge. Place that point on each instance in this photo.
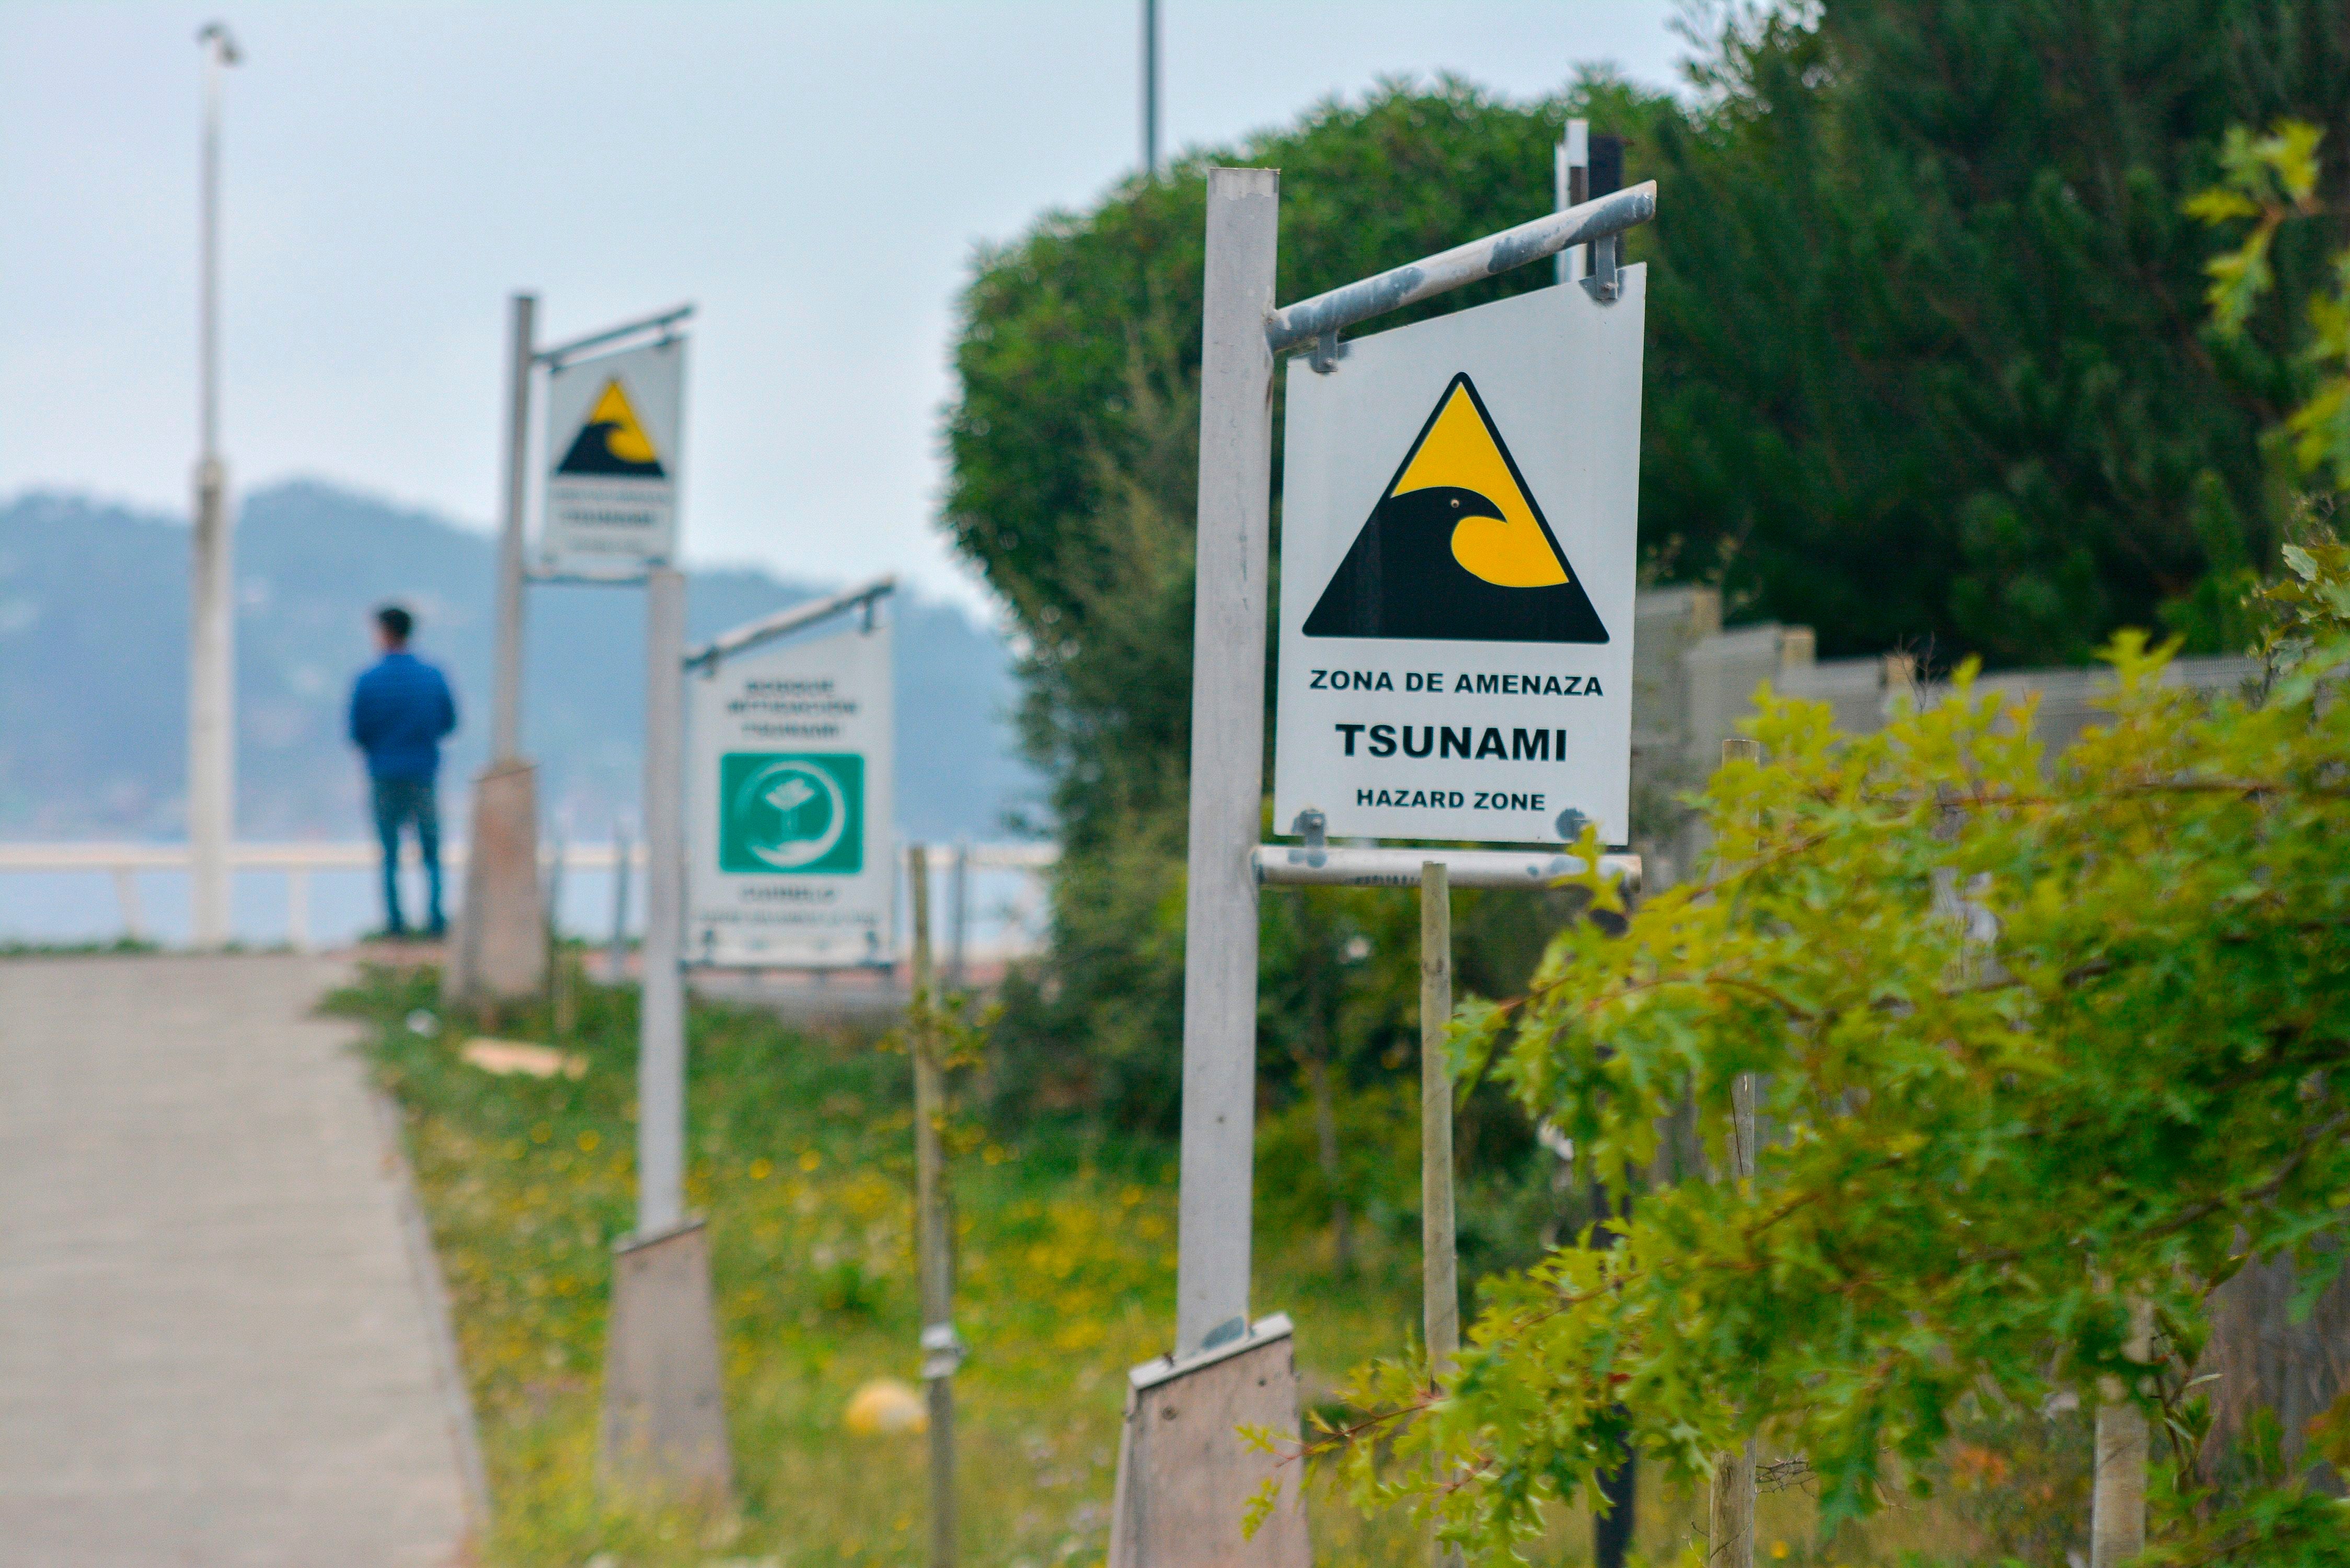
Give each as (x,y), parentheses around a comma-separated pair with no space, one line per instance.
(224,43)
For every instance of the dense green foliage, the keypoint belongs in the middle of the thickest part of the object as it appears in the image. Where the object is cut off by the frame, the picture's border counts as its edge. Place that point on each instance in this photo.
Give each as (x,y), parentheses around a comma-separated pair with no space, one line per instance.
(1930,365)
(1921,273)
(2041,1045)
(1928,368)
(2035,1037)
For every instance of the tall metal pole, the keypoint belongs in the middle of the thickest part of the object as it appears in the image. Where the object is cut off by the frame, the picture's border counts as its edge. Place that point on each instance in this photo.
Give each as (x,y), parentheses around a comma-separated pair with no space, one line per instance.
(505,725)
(1211,1270)
(1150,88)
(211,618)
(660,1050)
(1572,169)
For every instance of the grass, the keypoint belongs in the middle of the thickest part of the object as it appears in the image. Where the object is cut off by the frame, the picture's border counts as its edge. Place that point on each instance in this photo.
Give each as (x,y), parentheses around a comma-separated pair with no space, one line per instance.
(802,1158)
(96,947)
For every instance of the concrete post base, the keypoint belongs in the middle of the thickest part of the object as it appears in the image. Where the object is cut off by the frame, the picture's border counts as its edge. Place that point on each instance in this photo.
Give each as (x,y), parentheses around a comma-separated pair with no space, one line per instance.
(500,953)
(1185,1477)
(664,1408)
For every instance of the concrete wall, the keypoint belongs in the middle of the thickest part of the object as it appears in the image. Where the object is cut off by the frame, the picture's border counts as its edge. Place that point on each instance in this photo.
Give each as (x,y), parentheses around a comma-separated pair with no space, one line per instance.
(1694,683)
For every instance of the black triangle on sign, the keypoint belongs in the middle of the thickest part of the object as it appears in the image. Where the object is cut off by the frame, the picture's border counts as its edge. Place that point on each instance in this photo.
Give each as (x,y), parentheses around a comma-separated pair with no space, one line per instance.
(613,442)
(1457,549)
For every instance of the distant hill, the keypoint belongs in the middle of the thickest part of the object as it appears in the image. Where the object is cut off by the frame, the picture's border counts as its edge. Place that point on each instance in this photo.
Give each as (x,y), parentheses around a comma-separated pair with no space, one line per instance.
(93,671)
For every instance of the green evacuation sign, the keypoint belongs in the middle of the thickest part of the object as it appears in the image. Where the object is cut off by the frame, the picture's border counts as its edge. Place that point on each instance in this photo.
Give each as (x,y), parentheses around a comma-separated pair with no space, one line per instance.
(791,811)
(790,861)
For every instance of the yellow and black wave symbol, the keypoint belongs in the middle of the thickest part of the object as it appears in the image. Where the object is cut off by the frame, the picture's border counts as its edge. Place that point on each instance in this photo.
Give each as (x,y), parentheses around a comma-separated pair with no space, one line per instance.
(613,442)
(1457,549)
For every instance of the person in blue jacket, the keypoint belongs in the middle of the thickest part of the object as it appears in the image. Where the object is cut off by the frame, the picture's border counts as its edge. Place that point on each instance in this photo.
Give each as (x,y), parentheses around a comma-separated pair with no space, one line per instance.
(400,710)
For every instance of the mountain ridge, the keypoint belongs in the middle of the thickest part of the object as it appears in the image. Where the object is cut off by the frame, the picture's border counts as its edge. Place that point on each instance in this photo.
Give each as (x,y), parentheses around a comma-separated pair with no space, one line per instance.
(93,639)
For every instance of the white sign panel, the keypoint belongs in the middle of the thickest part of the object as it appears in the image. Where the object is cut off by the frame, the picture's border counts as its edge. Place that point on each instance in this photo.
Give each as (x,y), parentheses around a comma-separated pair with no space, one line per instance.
(614,429)
(1459,505)
(791,859)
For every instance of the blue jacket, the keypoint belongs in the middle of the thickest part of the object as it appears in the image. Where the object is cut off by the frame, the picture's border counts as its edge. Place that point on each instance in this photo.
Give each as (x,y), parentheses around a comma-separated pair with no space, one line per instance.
(400,710)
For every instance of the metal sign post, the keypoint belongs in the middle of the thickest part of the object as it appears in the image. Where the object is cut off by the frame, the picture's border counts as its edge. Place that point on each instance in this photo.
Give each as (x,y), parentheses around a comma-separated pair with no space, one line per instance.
(1185,1477)
(780,851)
(664,1411)
(1212,1289)
(664,1407)
(790,795)
(501,951)
(505,722)
(661,1060)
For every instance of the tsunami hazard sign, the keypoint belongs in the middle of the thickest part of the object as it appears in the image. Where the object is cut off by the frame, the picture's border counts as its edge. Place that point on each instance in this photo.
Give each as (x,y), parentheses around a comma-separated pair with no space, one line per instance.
(613,429)
(1460,512)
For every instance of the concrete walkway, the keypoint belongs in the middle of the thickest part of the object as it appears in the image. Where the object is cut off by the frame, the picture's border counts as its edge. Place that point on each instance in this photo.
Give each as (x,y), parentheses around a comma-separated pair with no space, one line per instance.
(215,1346)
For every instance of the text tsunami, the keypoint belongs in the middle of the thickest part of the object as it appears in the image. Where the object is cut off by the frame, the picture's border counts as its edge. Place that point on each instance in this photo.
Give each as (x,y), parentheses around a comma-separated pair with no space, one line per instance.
(1441,740)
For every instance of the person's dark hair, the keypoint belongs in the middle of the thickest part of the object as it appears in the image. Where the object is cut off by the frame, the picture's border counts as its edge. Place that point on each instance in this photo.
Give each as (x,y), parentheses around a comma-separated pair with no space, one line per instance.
(397,623)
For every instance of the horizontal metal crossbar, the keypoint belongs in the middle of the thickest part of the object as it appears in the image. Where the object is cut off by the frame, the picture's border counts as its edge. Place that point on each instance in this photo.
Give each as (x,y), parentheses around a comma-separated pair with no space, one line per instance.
(1349,865)
(1296,326)
(727,644)
(563,351)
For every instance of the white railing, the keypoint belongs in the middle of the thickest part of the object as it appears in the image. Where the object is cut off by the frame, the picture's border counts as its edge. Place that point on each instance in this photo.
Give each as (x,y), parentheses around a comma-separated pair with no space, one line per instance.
(1019,919)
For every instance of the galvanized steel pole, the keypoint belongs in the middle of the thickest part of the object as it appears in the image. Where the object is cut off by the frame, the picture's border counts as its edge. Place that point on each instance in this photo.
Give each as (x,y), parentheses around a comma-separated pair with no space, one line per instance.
(1572,169)
(1150,88)
(660,1035)
(211,619)
(505,725)
(1232,597)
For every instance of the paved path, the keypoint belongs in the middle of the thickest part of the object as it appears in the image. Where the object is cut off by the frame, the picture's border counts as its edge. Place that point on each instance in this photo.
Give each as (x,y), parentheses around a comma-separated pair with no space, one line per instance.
(215,1348)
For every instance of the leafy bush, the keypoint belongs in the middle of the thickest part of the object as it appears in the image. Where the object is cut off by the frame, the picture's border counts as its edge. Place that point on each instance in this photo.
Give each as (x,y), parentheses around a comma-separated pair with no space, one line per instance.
(2036,1038)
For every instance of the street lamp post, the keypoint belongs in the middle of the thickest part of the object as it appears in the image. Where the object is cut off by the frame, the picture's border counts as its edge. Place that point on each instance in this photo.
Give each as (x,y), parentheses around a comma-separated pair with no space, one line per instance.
(212,622)
(1151,90)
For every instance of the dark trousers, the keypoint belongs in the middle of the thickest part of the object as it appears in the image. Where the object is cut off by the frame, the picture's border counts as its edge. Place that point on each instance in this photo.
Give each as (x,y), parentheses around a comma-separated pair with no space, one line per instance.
(398,801)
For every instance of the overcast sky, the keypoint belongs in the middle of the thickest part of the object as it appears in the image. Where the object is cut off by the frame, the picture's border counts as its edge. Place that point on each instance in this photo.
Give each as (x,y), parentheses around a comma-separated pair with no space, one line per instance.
(813,176)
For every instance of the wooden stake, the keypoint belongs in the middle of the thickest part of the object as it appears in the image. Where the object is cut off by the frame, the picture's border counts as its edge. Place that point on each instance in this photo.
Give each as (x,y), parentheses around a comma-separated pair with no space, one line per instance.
(1730,1537)
(1440,1264)
(2118,1503)
(1439,1284)
(941,1349)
